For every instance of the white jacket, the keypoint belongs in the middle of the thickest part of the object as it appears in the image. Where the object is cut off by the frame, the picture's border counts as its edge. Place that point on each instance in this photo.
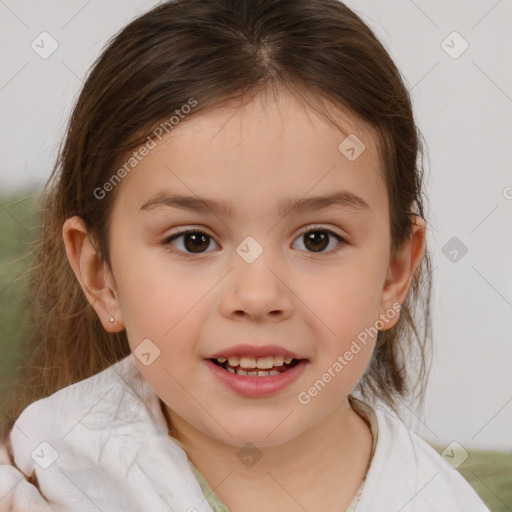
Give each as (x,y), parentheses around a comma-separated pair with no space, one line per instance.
(103,444)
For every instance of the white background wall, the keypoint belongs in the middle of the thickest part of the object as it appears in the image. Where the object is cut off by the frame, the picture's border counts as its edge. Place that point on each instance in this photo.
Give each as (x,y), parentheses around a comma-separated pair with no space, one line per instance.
(464,110)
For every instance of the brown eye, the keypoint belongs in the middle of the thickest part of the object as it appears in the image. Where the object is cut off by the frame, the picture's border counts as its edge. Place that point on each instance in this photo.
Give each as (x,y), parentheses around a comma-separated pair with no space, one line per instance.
(317,240)
(191,241)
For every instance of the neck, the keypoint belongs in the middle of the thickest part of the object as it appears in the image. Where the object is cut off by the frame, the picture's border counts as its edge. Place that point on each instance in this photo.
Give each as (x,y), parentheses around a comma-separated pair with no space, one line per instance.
(336,452)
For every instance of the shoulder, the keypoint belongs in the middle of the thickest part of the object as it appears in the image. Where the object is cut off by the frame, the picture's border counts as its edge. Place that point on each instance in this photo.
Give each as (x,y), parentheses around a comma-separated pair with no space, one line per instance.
(102,440)
(407,474)
(77,414)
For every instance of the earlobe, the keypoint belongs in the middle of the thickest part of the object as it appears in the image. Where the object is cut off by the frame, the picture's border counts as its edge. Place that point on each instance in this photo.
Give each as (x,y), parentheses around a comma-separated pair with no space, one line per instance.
(93,274)
(401,271)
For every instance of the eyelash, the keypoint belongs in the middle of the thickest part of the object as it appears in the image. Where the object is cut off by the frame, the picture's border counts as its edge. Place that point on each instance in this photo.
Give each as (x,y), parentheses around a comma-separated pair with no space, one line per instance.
(167,241)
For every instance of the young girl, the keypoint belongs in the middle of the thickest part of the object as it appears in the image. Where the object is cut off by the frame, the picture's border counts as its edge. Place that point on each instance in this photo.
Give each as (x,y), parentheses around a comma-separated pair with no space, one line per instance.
(233,248)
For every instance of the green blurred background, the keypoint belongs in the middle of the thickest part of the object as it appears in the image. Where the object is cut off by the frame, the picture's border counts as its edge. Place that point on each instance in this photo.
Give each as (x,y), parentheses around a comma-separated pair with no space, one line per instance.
(490,473)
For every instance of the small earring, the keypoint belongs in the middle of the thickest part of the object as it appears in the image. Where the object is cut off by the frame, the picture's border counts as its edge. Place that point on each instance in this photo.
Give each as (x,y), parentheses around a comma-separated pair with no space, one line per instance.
(112,319)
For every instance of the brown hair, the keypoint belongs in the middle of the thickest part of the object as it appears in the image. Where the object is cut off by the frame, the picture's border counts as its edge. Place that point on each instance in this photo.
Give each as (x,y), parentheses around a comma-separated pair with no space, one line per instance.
(217,51)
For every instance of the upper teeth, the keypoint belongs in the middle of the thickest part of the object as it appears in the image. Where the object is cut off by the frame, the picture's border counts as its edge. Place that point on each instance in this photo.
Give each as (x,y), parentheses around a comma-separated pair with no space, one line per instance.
(263,363)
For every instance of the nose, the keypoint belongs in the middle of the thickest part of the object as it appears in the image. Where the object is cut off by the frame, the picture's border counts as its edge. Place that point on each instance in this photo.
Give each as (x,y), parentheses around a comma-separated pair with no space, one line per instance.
(259,290)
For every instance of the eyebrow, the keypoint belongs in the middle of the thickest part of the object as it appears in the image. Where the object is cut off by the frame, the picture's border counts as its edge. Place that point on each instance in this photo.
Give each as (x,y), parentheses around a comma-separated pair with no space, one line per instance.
(343,199)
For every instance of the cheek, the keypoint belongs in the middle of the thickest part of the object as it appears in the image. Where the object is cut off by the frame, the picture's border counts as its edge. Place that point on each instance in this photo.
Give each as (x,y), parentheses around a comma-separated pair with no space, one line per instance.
(346,304)
(159,305)
(345,300)
(162,318)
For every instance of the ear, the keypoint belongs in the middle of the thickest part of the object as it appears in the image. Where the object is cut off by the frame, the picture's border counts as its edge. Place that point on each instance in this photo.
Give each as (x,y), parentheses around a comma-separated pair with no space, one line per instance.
(401,271)
(94,276)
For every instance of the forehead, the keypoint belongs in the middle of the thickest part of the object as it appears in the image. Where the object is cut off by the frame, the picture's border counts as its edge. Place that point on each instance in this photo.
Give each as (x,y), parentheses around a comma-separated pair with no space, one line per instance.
(261,152)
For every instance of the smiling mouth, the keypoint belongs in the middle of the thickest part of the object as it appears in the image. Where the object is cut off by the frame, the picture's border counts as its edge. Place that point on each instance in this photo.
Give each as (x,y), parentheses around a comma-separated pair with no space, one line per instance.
(256,367)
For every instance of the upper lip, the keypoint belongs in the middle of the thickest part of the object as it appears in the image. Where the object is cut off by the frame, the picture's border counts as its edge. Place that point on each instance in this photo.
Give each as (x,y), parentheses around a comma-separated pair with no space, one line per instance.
(255,351)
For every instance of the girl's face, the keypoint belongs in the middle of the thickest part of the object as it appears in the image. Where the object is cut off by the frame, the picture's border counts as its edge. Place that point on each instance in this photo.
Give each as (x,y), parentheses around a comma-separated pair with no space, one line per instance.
(291,259)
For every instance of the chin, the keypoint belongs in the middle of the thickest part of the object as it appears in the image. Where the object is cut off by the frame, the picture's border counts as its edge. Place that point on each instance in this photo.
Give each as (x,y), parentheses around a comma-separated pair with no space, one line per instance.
(257,431)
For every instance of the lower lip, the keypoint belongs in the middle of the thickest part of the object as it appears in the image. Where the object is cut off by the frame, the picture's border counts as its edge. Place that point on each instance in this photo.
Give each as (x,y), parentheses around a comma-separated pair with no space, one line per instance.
(254,387)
